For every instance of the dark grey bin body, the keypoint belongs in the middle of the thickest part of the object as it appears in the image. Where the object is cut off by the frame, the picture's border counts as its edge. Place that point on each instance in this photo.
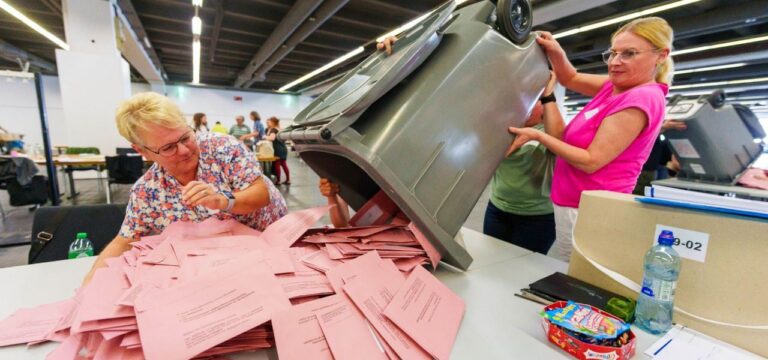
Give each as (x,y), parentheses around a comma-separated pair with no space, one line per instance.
(716,147)
(428,129)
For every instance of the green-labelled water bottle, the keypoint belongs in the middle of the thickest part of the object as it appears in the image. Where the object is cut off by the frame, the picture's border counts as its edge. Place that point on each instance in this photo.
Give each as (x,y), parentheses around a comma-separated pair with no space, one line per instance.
(81,247)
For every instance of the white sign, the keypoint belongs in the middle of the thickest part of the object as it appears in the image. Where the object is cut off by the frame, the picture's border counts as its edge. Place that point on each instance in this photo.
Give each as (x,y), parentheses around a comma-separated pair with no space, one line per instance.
(690,244)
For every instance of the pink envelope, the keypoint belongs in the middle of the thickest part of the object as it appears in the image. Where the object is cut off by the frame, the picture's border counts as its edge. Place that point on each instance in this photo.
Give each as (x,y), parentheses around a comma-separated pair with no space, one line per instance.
(181,322)
(31,324)
(395,236)
(301,285)
(339,275)
(371,292)
(320,261)
(348,334)
(428,311)
(298,335)
(432,253)
(284,232)
(377,211)
(406,265)
(100,298)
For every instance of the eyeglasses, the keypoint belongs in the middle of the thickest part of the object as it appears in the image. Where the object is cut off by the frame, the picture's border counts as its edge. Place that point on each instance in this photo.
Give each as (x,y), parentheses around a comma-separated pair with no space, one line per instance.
(624,56)
(171,149)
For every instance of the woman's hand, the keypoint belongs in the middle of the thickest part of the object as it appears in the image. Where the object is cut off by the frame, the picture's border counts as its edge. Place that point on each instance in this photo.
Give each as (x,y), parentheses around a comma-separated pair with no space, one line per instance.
(548,43)
(387,44)
(328,189)
(522,136)
(199,193)
(673,125)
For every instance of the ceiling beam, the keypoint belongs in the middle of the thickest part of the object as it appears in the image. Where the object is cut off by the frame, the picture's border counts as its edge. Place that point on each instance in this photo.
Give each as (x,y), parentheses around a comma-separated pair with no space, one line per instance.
(219,4)
(12,53)
(559,9)
(298,13)
(715,20)
(133,20)
(323,13)
(55,6)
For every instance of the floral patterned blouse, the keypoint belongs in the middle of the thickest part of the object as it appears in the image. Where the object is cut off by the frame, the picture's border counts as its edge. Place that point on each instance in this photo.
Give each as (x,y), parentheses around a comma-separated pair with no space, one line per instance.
(225,163)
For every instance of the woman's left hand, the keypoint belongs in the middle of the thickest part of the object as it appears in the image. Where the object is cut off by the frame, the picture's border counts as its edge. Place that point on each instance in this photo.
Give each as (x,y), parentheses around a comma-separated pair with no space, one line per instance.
(522,136)
(199,193)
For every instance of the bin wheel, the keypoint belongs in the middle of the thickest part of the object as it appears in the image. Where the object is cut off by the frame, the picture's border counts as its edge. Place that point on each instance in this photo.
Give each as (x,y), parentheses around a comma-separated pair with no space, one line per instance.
(514,19)
(716,98)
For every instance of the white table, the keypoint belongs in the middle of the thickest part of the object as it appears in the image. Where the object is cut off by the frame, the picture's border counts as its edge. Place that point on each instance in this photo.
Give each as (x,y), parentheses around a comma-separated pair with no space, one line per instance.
(496,325)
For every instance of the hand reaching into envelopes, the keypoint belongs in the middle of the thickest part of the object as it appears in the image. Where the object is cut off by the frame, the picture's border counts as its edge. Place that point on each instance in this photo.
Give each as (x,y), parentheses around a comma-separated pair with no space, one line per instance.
(199,193)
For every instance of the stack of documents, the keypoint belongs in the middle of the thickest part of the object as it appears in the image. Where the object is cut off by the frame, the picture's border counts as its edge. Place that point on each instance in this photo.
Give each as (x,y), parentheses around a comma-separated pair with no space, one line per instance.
(218,287)
(662,195)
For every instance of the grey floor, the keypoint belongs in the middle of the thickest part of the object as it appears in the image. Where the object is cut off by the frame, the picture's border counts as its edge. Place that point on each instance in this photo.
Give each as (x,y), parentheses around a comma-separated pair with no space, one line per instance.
(16,226)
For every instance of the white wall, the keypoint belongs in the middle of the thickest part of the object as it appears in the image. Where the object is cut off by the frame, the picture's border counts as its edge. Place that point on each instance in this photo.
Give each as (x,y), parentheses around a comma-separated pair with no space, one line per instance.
(19,114)
(220,105)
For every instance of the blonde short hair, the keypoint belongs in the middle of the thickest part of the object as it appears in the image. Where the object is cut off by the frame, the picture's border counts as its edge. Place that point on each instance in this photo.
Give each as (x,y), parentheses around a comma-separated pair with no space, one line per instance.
(657,32)
(147,108)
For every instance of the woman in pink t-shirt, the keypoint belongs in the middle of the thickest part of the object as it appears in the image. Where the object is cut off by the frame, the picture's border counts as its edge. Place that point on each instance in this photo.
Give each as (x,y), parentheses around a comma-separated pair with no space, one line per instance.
(605,145)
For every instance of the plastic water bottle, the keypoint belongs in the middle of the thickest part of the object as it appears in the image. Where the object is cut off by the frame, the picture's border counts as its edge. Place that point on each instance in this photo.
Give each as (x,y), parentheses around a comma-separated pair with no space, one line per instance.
(655,303)
(81,247)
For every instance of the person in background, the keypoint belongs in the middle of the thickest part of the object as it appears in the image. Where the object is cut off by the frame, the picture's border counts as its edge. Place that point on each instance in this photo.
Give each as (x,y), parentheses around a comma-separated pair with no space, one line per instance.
(655,168)
(281,151)
(194,176)
(605,145)
(258,126)
(519,210)
(200,122)
(240,132)
(219,129)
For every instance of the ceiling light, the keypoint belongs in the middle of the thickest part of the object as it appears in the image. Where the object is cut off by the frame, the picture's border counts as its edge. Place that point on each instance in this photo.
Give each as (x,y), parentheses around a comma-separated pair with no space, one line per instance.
(624,18)
(198,3)
(710,68)
(23,18)
(327,66)
(196,61)
(722,45)
(197,25)
(719,83)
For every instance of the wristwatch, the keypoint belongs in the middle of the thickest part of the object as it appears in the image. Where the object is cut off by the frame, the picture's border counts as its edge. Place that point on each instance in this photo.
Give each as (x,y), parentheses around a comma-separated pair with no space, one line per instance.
(548,98)
(230,200)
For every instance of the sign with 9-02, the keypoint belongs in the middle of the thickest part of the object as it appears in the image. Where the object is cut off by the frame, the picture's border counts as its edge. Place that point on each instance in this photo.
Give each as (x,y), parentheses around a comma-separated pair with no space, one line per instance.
(690,244)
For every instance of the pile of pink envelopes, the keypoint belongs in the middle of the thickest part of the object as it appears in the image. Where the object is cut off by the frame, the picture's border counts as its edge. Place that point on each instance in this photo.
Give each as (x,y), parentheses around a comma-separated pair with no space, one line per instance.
(219,287)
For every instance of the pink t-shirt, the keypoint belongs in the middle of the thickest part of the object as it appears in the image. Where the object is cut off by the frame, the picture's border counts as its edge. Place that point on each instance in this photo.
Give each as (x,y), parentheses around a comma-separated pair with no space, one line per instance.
(621,174)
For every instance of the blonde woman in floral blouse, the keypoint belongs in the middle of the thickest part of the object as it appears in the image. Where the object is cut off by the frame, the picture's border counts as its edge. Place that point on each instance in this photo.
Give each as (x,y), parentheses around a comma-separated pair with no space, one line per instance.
(194,176)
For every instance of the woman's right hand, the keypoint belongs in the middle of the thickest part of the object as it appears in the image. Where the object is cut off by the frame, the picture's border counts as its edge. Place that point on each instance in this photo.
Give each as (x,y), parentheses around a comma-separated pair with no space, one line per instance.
(328,189)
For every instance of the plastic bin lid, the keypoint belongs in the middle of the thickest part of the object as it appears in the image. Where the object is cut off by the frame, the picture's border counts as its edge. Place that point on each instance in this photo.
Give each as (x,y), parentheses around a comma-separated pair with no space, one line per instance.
(341,105)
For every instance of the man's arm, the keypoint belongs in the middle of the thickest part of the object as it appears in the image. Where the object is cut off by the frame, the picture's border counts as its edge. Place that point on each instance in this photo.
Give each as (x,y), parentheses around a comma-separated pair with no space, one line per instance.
(115,248)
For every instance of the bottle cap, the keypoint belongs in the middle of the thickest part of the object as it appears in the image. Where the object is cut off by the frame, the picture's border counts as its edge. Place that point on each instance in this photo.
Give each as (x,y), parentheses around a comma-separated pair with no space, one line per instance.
(666,238)
(82,235)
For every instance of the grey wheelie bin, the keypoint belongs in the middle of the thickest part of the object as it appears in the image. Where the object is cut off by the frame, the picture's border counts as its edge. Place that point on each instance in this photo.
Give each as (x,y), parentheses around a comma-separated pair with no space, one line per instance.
(428,124)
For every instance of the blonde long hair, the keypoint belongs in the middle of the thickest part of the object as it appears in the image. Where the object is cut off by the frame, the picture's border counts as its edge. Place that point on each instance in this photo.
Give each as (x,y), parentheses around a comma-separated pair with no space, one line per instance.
(656,31)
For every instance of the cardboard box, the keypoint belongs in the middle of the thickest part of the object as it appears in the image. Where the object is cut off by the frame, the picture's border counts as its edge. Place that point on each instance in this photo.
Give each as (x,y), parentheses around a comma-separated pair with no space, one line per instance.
(729,286)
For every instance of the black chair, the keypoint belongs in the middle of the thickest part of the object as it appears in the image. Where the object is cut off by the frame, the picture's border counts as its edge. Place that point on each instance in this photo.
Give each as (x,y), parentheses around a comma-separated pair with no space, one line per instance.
(125,151)
(60,225)
(33,192)
(123,170)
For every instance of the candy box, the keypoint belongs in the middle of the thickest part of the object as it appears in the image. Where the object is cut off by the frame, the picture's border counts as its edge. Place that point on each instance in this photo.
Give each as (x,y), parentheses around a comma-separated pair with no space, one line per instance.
(582,350)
